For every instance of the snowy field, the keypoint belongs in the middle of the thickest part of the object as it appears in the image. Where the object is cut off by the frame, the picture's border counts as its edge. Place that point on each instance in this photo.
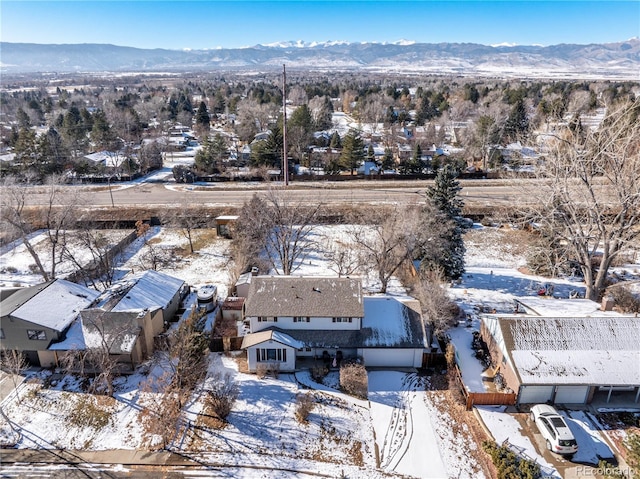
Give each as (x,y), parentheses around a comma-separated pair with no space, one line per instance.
(411,431)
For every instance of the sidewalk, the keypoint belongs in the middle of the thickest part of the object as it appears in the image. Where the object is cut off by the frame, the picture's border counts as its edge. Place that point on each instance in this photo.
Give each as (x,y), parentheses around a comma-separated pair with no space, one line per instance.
(115,456)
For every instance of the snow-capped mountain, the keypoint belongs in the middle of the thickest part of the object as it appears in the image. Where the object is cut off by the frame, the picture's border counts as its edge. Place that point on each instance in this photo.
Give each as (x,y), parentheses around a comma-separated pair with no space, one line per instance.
(611,60)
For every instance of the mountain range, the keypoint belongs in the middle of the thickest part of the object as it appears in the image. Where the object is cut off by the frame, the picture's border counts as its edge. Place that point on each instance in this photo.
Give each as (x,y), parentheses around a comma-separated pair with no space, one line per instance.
(619,60)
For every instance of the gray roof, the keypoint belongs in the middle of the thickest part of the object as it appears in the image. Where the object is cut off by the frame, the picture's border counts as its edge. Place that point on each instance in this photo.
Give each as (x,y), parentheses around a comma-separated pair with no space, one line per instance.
(118,330)
(270,335)
(54,304)
(304,296)
(388,323)
(148,290)
(581,350)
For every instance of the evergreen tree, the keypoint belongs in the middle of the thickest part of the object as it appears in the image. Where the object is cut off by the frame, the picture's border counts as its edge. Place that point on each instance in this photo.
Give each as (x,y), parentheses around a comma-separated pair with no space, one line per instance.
(371,155)
(336,142)
(209,159)
(388,162)
(268,152)
(444,195)
(353,154)
(203,120)
(102,135)
(517,124)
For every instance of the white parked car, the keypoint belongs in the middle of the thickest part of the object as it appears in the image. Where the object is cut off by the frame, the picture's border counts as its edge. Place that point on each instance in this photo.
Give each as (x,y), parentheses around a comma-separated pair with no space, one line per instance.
(554,430)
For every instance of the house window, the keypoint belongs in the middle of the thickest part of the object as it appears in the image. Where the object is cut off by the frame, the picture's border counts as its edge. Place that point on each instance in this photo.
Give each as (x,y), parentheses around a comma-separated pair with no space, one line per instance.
(301,319)
(36,334)
(268,319)
(342,320)
(271,355)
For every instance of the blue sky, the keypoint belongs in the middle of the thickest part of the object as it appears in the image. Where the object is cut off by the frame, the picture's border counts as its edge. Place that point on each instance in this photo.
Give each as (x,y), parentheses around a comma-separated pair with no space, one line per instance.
(230,24)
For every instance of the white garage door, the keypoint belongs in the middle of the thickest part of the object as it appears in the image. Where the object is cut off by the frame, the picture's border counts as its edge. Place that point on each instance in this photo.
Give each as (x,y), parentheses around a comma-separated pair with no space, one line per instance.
(571,394)
(388,357)
(535,394)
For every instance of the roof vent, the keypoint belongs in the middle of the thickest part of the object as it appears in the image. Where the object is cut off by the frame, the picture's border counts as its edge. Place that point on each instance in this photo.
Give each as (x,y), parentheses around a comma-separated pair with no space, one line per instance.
(317,290)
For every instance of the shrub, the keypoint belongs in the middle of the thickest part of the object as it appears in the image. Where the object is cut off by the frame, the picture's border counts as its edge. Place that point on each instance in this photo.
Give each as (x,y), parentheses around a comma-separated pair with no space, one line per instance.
(264,369)
(509,465)
(625,299)
(222,396)
(353,380)
(632,443)
(90,411)
(318,373)
(304,406)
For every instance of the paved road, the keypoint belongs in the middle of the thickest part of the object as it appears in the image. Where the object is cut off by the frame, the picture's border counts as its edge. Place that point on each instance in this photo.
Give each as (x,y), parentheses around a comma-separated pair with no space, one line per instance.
(477,193)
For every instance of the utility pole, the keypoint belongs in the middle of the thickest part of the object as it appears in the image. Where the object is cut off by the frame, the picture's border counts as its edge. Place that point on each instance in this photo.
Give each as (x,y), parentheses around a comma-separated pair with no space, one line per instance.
(285,161)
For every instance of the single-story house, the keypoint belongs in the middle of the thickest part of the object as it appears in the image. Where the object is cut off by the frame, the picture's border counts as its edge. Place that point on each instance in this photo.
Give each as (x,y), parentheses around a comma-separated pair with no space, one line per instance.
(317,317)
(566,360)
(33,318)
(147,290)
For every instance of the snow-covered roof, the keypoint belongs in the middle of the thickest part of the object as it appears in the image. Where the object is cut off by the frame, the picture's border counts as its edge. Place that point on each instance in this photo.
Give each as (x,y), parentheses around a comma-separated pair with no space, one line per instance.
(55,305)
(549,306)
(148,290)
(110,159)
(118,331)
(304,296)
(389,322)
(270,335)
(584,350)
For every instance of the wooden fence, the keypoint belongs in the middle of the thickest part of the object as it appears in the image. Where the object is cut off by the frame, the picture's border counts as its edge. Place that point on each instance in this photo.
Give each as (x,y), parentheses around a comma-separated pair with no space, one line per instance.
(483,399)
(490,399)
(226,344)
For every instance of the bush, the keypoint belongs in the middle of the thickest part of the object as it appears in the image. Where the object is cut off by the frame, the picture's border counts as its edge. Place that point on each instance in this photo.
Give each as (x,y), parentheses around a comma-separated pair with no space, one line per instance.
(264,369)
(353,380)
(632,443)
(222,396)
(304,406)
(625,300)
(509,465)
(318,373)
(90,411)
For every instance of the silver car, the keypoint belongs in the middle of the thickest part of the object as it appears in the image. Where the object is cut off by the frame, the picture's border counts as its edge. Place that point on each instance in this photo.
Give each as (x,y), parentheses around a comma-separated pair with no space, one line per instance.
(554,430)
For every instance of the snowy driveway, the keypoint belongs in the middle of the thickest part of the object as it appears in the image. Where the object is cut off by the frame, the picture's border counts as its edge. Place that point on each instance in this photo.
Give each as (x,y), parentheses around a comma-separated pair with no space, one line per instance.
(404,431)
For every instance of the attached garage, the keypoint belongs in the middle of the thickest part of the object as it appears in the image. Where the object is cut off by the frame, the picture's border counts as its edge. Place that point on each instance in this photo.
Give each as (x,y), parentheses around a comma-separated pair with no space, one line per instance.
(388,357)
(571,394)
(535,394)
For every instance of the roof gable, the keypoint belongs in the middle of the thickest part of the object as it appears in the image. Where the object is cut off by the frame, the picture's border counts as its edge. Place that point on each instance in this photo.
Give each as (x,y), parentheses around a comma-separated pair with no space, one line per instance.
(270,335)
(304,296)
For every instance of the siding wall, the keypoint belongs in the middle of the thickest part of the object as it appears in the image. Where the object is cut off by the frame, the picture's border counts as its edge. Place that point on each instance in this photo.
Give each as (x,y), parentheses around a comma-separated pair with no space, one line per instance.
(286,322)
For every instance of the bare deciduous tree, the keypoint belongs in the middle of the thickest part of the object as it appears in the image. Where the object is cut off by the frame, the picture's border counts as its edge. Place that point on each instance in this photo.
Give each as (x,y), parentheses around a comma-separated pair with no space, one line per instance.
(278,227)
(56,217)
(14,363)
(16,216)
(589,196)
(394,237)
(437,309)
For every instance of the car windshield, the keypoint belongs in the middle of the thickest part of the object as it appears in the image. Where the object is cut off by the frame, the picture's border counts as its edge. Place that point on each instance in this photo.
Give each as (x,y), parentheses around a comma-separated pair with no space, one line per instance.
(567,442)
(557,421)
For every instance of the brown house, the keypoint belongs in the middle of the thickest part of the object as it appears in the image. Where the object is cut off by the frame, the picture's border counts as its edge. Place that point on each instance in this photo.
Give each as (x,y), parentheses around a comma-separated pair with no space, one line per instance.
(569,360)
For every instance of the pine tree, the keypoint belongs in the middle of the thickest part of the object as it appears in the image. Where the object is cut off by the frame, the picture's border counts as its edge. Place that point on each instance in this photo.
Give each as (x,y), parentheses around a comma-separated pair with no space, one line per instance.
(353,154)
(335,142)
(203,120)
(444,195)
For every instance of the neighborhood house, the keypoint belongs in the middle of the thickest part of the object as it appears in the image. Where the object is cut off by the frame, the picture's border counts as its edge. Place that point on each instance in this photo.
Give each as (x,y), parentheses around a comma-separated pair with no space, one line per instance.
(566,360)
(318,317)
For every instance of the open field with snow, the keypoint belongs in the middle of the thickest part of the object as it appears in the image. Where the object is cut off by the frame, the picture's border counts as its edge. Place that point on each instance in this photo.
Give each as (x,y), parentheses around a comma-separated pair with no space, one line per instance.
(400,431)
